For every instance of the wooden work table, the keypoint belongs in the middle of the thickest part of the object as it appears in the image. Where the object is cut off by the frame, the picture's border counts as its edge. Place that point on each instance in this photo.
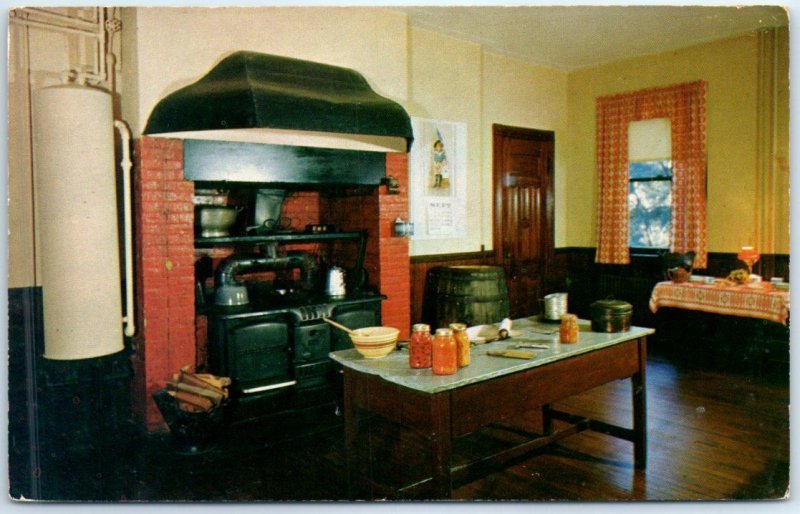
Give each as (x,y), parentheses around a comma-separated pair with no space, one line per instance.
(443,409)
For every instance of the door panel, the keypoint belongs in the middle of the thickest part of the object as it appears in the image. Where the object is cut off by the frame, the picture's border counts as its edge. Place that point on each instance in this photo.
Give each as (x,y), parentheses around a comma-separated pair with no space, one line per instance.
(523,226)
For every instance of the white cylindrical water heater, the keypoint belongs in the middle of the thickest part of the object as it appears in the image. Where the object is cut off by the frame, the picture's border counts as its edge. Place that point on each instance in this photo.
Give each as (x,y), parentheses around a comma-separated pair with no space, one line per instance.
(76,219)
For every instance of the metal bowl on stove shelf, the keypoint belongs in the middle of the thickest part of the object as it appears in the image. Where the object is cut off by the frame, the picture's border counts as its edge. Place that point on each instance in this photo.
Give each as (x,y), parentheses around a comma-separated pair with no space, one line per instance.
(209,197)
(216,220)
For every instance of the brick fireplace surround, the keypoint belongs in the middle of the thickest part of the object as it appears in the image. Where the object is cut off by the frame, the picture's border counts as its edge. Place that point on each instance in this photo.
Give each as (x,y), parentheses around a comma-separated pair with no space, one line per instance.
(170,334)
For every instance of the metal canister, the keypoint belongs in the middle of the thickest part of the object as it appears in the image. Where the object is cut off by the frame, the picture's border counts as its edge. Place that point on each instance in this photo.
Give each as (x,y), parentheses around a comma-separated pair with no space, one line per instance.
(611,315)
(555,306)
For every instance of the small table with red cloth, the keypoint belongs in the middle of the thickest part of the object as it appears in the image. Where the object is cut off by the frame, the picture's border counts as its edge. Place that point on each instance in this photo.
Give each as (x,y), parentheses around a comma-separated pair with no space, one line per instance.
(739,328)
(760,300)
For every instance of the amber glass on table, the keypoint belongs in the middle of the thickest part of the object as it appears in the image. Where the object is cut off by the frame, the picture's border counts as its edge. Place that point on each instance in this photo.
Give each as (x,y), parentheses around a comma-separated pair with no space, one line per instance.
(462,343)
(569,331)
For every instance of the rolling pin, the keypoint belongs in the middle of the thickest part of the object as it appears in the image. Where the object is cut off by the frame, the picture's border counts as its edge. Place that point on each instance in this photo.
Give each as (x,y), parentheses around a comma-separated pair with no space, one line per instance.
(514,354)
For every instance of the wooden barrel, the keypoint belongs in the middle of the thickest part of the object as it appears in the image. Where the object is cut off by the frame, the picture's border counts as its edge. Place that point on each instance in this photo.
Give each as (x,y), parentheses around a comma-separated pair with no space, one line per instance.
(474,295)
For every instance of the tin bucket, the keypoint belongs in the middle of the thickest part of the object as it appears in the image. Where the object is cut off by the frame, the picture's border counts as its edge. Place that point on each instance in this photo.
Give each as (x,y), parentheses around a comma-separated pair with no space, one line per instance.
(555,306)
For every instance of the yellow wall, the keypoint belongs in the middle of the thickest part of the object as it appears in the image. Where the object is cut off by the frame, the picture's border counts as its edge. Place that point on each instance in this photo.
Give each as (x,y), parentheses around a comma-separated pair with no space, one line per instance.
(445,84)
(436,76)
(36,59)
(457,81)
(21,271)
(522,95)
(729,66)
(433,76)
(174,47)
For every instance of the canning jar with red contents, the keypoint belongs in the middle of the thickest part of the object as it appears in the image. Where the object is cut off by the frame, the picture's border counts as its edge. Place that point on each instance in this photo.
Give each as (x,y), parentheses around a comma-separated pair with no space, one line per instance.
(419,348)
(445,352)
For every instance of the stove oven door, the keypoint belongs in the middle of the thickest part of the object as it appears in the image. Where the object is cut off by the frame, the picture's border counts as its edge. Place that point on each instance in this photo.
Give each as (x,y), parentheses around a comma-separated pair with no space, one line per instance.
(312,343)
(258,355)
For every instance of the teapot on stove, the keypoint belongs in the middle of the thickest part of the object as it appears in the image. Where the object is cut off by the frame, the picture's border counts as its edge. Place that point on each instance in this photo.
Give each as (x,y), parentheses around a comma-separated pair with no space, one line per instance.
(335,286)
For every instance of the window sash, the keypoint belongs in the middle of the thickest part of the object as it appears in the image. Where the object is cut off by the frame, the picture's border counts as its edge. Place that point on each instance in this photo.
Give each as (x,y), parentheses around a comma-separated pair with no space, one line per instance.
(632,239)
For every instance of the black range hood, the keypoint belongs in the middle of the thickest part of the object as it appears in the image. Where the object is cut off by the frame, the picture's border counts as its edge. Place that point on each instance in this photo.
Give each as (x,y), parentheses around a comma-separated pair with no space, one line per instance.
(260,98)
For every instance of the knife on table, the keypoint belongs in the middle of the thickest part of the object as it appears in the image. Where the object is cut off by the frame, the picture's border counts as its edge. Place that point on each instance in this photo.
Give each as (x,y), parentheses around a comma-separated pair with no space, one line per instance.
(514,354)
(548,331)
(538,346)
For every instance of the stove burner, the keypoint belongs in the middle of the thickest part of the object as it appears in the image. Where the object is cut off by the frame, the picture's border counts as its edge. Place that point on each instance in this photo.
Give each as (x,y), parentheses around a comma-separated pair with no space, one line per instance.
(313,312)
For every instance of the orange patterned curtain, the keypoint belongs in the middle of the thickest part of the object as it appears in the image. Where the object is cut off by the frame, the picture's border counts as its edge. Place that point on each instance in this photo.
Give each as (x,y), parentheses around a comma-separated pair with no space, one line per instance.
(685,106)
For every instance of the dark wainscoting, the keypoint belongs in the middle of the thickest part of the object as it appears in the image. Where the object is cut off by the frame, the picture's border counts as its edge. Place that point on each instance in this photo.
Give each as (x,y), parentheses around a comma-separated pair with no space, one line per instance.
(574,271)
(722,343)
(24,336)
(759,346)
(60,413)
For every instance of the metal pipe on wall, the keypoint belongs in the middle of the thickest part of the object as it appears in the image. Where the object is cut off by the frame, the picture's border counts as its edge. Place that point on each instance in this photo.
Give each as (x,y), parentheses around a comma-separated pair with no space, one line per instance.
(125,165)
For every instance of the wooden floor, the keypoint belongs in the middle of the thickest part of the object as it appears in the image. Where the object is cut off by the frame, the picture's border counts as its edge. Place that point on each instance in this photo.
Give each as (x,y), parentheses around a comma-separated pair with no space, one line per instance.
(711,436)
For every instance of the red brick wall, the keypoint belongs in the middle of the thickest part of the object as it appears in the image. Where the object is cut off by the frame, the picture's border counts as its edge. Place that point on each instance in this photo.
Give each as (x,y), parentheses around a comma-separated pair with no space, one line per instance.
(301,208)
(169,334)
(395,278)
(386,260)
(359,212)
(165,338)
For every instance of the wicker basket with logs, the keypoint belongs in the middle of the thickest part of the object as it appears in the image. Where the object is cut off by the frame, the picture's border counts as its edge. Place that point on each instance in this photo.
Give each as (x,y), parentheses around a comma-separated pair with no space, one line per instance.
(193,407)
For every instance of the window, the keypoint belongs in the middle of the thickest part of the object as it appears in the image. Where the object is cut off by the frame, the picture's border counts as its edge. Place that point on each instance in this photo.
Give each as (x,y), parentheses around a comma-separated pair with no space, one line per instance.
(657,125)
(650,184)
(650,204)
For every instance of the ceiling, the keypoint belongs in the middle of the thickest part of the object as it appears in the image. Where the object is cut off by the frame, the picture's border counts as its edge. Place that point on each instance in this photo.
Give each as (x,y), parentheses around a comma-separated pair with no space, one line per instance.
(574,37)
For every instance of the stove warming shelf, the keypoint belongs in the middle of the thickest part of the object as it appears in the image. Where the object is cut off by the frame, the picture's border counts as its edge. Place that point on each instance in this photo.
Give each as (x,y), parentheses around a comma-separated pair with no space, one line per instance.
(291,237)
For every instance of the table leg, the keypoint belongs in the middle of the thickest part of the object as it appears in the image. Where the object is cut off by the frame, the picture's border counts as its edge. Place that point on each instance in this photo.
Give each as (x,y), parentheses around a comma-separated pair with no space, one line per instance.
(441,445)
(351,430)
(547,419)
(639,389)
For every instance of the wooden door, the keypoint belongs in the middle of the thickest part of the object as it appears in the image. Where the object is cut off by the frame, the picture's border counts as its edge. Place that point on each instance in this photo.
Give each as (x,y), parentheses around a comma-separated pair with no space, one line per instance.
(523,212)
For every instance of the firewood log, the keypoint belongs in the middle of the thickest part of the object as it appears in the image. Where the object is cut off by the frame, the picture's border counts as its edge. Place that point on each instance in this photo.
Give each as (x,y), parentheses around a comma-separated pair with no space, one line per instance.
(220,382)
(192,380)
(199,391)
(200,402)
